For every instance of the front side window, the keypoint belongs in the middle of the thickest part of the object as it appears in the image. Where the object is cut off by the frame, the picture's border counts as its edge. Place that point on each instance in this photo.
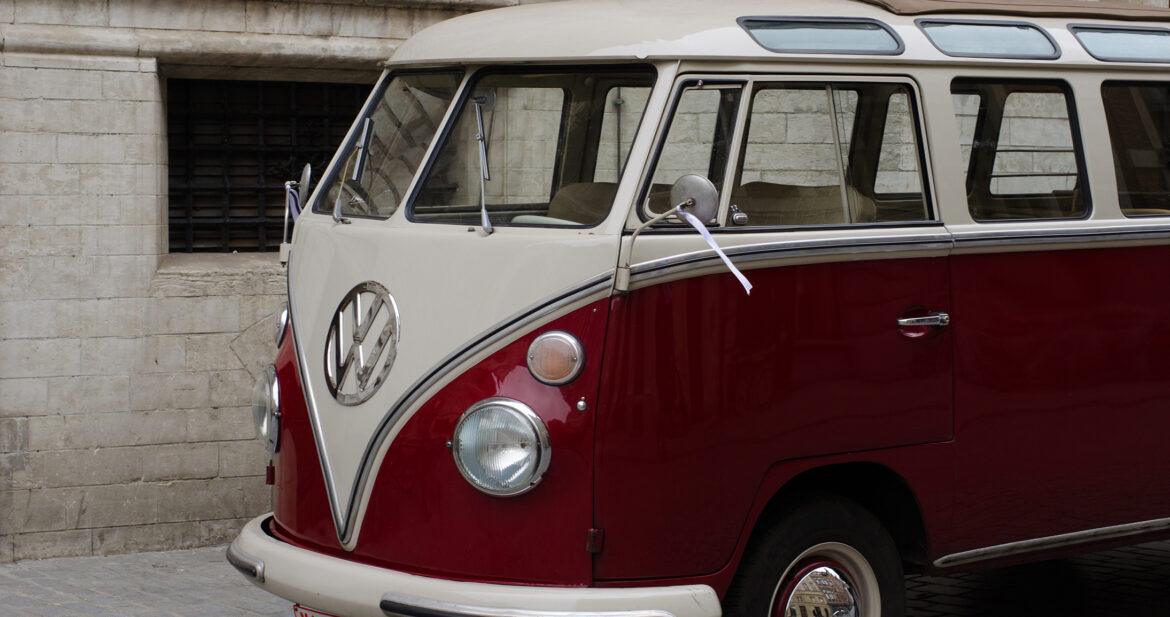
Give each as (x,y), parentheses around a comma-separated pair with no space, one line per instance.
(1021,148)
(536,149)
(389,144)
(1138,115)
(830,154)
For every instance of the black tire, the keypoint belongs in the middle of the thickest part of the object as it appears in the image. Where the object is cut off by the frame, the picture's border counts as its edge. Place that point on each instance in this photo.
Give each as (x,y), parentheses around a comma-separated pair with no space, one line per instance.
(823,528)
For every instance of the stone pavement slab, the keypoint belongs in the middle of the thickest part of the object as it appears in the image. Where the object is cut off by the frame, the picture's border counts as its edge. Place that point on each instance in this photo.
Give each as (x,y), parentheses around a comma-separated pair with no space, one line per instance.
(1128,582)
(186,583)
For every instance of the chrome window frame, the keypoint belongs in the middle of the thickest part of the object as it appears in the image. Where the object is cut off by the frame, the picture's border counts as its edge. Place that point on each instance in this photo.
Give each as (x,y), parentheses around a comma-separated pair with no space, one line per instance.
(899,50)
(1076,29)
(923,21)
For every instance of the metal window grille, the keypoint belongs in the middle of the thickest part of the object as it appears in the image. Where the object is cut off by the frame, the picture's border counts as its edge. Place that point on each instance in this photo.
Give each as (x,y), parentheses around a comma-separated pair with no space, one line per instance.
(233,144)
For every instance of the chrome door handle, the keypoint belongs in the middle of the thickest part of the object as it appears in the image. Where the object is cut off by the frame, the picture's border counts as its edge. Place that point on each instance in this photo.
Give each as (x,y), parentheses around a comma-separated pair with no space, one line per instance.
(938,320)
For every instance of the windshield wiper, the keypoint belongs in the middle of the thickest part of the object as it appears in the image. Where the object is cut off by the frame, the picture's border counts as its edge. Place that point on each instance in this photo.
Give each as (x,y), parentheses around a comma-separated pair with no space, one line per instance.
(484,172)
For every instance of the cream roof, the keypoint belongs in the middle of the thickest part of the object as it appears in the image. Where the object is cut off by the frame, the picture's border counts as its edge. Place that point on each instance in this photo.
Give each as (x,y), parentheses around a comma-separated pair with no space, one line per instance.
(592,30)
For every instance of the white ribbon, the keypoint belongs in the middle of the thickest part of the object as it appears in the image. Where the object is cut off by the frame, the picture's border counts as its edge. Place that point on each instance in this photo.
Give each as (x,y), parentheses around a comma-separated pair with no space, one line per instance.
(702,229)
(292,200)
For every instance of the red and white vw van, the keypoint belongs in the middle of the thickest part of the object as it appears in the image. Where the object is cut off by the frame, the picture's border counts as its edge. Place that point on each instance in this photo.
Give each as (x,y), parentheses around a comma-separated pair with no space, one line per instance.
(681,308)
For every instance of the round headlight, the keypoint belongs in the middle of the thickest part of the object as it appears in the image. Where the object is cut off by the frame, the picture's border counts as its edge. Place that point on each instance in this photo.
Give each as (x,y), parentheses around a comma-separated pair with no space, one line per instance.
(501,447)
(556,358)
(266,409)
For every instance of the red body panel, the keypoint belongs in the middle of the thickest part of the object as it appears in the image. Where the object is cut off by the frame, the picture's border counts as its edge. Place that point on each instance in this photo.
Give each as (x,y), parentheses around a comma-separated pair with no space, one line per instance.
(299,500)
(423,517)
(705,389)
(1062,391)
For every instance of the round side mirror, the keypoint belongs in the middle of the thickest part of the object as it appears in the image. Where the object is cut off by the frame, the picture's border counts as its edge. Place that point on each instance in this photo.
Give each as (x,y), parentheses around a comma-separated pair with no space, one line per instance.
(702,194)
(304,185)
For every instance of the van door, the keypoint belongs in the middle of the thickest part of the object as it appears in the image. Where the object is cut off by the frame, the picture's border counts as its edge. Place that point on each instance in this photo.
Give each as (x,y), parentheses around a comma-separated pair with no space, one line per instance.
(706,387)
(1060,389)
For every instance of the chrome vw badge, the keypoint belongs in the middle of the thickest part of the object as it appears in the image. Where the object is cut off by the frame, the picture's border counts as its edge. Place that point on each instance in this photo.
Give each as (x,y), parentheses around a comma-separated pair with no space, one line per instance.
(362,343)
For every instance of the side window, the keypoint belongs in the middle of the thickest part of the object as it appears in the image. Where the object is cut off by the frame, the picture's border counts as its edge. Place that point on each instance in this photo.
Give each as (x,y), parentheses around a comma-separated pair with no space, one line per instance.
(1138,115)
(619,123)
(1021,150)
(830,154)
(698,140)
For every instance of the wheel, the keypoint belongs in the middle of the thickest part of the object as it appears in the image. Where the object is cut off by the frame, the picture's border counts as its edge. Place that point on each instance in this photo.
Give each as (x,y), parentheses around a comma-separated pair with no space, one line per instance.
(827,557)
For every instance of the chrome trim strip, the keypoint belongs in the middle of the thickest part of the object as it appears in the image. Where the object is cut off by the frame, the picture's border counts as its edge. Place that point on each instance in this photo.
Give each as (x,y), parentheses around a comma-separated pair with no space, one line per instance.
(499,331)
(659,268)
(247,565)
(399,605)
(1006,237)
(1052,542)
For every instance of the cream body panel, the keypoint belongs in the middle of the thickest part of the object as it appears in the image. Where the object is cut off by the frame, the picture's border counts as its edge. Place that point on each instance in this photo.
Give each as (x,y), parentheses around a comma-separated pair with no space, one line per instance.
(447,284)
(348,588)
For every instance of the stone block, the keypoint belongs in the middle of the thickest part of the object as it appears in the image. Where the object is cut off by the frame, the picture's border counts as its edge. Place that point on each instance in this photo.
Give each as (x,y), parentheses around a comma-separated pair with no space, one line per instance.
(193,315)
(89,394)
(29,319)
(23,397)
(136,86)
(262,308)
(221,531)
(188,461)
(100,466)
(6,543)
(211,352)
(61,277)
(14,506)
(68,12)
(363,21)
(196,500)
(40,179)
(310,19)
(51,509)
(13,278)
(138,538)
(163,354)
(19,115)
(107,117)
(106,430)
(13,435)
(121,240)
(242,458)
(54,240)
(227,424)
(71,61)
(15,474)
(231,388)
(110,356)
(15,211)
(210,15)
(50,84)
(91,149)
(255,347)
(75,543)
(169,391)
(40,357)
(100,318)
(120,504)
(121,276)
(28,148)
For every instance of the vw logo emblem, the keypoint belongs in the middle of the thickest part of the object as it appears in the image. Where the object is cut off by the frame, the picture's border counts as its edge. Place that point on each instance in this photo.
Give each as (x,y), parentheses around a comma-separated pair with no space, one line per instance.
(362,343)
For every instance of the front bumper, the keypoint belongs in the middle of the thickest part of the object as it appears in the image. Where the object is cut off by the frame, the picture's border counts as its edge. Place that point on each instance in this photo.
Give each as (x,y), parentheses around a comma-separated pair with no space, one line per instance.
(352,589)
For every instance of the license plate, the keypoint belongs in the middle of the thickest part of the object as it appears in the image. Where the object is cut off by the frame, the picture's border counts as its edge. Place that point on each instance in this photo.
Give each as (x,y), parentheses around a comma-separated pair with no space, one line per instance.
(300,611)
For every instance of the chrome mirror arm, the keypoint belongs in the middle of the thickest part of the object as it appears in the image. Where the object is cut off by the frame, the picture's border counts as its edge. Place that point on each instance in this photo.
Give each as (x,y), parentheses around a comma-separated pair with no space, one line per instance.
(621,282)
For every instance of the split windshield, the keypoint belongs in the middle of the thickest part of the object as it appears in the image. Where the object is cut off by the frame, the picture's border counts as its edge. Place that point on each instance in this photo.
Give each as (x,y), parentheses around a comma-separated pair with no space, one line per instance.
(389,145)
(536,149)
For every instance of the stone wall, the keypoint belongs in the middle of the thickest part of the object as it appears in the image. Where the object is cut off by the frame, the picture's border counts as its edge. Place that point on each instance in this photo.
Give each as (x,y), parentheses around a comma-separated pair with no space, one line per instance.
(125,371)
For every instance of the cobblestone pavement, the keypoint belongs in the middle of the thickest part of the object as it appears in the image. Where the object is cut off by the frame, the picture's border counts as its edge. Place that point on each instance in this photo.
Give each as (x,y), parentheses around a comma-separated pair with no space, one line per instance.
(1130,582)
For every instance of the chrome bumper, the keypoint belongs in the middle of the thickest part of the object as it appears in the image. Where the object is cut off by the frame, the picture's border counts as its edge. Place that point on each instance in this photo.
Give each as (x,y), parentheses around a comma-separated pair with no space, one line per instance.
(352,589)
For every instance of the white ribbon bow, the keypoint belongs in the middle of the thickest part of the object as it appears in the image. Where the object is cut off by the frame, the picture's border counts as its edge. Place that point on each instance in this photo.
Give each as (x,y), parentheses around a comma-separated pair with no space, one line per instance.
(702,229)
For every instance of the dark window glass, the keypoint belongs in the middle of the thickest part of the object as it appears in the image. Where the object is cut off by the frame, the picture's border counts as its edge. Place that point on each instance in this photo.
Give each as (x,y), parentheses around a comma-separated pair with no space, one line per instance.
(231,147)
(1138,116)
(1022,150)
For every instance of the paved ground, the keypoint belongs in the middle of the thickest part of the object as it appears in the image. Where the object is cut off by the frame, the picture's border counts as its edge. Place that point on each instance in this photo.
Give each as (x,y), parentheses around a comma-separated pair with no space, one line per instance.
(1132,582)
